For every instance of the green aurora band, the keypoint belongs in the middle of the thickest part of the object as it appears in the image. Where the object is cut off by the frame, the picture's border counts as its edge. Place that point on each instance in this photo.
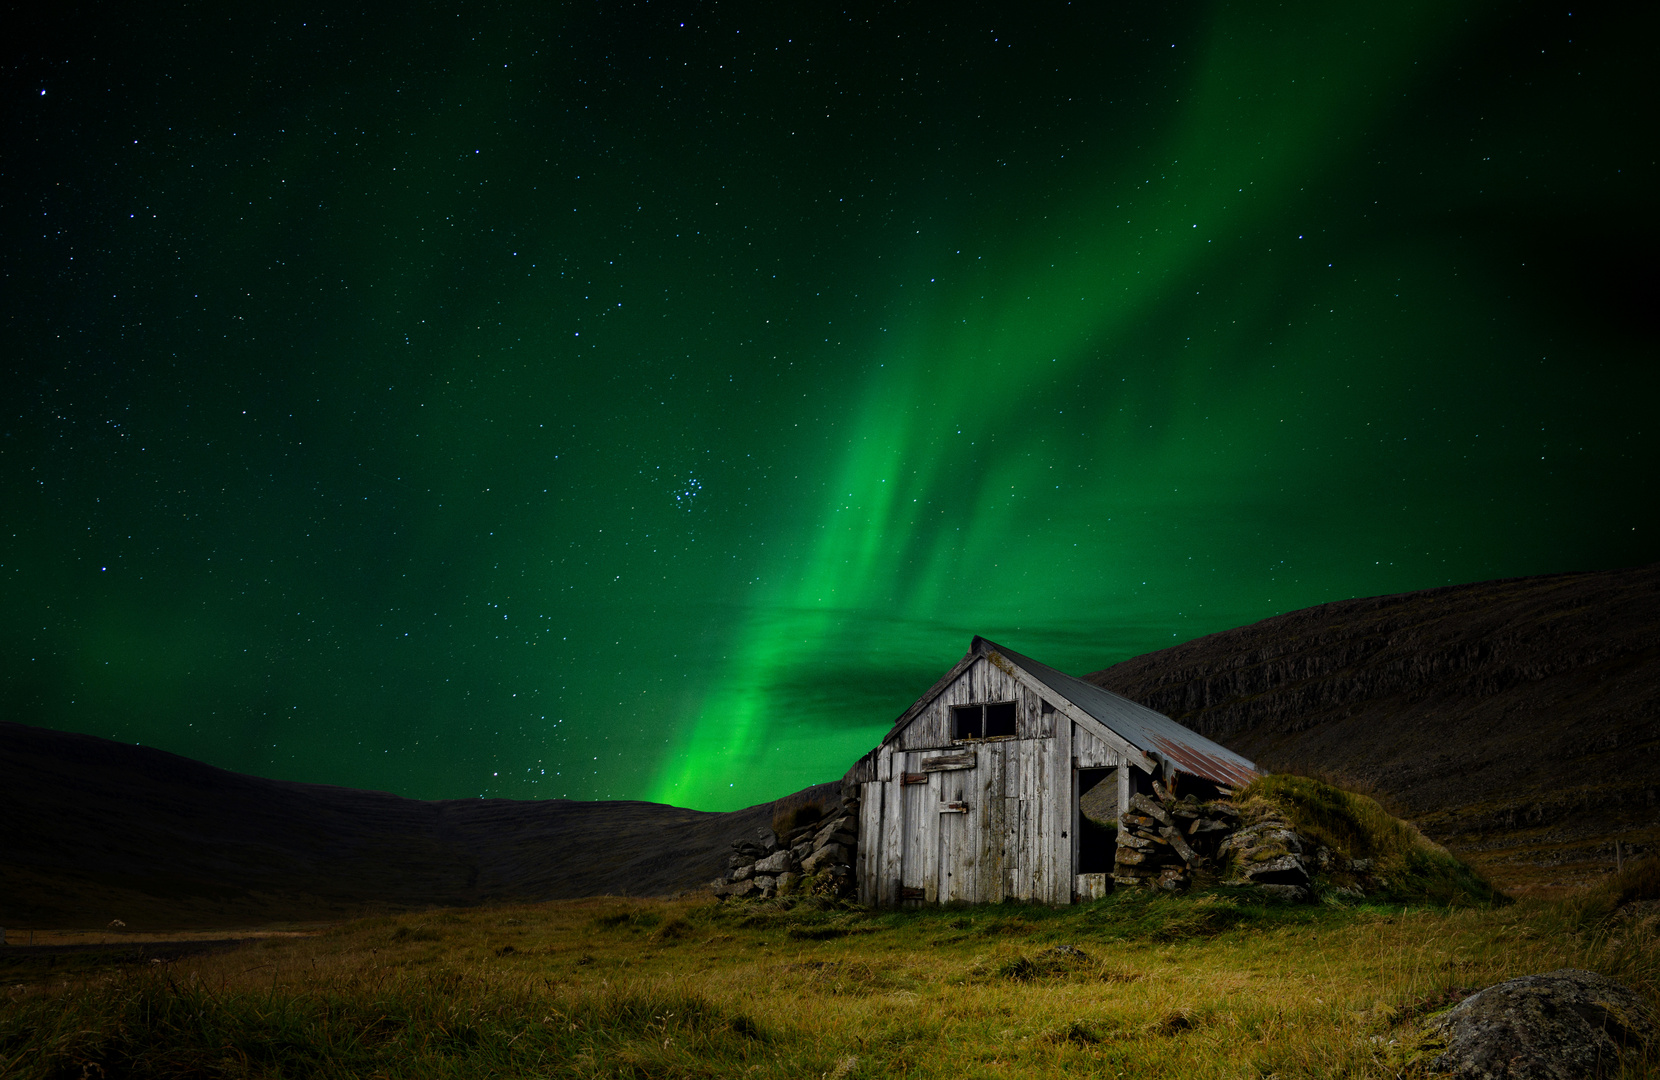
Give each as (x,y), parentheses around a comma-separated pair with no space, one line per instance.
(592,434)
(957,500)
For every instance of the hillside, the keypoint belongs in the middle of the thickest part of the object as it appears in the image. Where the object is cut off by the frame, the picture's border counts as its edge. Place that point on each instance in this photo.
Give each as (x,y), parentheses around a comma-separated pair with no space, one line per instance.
(1516,722)
(97,830)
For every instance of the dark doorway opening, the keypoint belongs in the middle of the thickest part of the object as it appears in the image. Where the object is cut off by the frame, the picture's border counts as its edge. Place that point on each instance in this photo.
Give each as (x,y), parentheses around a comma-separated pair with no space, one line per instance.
(1097,820)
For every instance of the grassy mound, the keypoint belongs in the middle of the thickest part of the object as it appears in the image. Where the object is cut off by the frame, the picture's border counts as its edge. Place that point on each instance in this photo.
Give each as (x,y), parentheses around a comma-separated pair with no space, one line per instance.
(1407,867)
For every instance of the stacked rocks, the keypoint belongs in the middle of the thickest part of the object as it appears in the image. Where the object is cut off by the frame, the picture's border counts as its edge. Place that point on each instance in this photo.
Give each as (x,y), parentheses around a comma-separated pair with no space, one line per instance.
(1268,853)
(814,859)
(1162,841)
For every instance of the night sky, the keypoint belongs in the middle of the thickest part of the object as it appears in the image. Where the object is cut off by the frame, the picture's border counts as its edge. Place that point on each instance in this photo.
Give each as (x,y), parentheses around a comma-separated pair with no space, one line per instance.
(651,400)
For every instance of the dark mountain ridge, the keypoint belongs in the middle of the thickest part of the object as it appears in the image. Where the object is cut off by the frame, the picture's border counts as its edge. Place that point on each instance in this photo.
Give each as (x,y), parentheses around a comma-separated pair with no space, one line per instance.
(1515,721)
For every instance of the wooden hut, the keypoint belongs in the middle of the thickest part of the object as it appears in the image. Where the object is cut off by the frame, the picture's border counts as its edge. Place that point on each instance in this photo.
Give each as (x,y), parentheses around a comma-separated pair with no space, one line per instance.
(974,795)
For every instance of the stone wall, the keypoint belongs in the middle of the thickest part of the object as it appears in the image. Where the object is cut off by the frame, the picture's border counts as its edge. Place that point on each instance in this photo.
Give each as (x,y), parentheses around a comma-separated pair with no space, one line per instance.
(1164,842)
(1167,843)
(811,860)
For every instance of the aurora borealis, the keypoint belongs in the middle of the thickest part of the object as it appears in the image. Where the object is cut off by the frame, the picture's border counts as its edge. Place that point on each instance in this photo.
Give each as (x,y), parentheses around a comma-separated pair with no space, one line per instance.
(650,401)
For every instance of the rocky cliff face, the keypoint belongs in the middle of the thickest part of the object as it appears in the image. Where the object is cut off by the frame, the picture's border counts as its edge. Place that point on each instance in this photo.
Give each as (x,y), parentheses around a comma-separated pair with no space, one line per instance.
(1516,721)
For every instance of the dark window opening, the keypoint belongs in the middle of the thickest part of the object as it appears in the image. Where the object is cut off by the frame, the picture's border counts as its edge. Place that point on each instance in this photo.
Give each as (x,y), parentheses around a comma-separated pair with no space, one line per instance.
(999,719)
(1097,820)
(993,721)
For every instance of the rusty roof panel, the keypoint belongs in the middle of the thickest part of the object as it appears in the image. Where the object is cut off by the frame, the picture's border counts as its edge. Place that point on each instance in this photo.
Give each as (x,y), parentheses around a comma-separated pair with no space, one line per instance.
(1189,759)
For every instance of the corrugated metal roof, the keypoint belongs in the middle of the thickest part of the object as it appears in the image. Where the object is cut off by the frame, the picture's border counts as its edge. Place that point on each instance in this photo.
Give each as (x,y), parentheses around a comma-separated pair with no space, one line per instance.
(1148,731)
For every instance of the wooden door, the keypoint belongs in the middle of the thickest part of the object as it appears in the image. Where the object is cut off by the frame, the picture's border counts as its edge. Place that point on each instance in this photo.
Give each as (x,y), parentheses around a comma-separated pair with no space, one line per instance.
(960,813)
(919,861)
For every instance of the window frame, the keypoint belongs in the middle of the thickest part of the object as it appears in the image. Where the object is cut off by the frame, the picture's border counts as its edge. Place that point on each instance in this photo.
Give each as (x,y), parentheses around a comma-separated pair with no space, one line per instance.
(958,711)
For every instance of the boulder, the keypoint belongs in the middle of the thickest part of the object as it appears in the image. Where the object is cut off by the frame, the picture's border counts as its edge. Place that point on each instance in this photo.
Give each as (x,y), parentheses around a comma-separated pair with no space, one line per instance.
(787,882)
(1265,836)
(801,850)
(765,884)
(829,855)
(840,836)
(1285,870)
(739,889)
(841,824)
(1562,1025)
(742,873)
(1267,853)
(776,863)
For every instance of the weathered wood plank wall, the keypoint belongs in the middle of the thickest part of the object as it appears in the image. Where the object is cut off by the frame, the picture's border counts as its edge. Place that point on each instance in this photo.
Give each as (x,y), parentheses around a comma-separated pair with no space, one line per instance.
(1013,835)
(1091,751)
(869,852)
(981,682)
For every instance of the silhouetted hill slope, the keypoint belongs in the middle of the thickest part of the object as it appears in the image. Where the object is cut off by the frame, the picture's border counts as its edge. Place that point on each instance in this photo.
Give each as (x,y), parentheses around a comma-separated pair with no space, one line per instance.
(1516,721)
(96,830)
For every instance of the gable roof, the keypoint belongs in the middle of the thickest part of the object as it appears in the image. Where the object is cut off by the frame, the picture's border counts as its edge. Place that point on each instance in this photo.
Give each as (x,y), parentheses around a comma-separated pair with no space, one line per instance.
(1148,731)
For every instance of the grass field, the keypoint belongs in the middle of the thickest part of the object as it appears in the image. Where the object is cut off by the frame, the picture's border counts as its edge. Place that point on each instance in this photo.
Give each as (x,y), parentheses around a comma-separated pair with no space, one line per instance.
(1135,986)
